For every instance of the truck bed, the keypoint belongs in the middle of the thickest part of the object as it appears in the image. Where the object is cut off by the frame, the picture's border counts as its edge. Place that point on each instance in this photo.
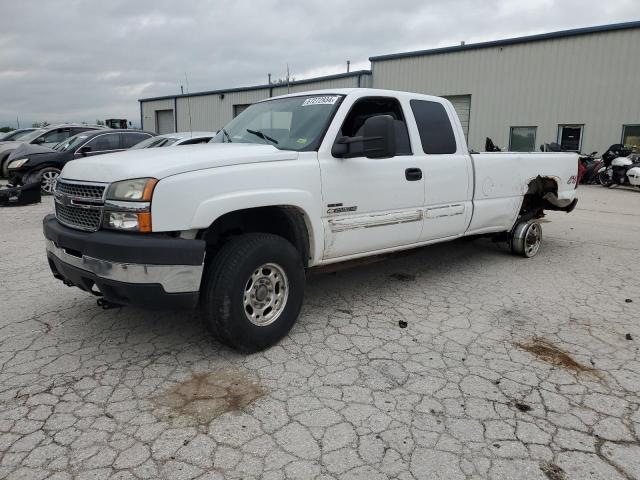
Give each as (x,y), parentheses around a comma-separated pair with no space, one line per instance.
(502,178)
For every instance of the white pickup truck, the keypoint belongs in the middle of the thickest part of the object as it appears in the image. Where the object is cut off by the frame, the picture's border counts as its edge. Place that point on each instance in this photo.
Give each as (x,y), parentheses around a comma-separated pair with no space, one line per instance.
(292,183)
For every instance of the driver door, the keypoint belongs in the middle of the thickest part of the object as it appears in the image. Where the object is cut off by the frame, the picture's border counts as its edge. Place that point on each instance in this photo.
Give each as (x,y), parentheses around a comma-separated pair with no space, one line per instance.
(371,204)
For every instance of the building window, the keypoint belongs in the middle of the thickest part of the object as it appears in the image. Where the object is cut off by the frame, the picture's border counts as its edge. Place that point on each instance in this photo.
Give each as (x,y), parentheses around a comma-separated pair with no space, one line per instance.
(239,108)
(631,135)
(522,139)
(570,137)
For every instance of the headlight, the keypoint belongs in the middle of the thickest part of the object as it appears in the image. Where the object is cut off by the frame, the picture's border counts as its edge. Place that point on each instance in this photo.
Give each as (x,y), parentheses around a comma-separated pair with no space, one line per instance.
(136,190)
(17,163)
(128,205)
(128,221)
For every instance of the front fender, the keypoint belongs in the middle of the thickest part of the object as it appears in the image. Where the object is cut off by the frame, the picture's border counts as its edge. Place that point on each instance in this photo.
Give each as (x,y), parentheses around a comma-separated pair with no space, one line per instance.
(195,200)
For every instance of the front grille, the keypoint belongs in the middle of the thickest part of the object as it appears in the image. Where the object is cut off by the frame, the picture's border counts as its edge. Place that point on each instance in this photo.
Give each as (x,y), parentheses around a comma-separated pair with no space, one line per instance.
(80,190)
(77,217)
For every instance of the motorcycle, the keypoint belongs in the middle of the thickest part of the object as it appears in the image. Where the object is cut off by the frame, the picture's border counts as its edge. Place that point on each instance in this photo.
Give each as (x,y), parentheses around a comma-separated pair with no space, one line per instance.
(591,165)
(621,167)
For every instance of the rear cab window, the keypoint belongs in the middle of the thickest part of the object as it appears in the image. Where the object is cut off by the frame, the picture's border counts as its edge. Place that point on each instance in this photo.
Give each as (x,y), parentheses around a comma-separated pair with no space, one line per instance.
(434,126)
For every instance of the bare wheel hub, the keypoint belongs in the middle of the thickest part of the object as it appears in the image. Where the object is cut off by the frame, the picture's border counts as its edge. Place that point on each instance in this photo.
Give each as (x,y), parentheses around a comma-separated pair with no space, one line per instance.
(532,239)
(265,294)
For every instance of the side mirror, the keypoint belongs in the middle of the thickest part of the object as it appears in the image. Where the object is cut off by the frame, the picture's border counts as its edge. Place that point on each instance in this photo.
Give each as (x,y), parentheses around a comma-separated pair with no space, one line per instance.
(378,140)
(38,140)
(84,150)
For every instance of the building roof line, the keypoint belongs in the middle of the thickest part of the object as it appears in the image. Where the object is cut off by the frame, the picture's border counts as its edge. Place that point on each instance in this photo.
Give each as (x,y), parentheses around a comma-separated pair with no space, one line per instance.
(260,87)
(511,41)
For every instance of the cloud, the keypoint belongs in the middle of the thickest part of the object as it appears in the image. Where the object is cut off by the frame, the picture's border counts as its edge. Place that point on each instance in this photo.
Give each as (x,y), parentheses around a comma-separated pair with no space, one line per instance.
(72,60)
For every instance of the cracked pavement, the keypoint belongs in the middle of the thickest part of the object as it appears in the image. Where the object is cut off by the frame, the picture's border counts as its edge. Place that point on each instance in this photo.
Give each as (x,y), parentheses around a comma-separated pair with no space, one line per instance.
(506,368)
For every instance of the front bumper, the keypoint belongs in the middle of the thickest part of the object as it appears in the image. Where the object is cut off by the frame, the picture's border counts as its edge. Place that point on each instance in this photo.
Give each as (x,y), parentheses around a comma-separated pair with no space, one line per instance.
(127,269)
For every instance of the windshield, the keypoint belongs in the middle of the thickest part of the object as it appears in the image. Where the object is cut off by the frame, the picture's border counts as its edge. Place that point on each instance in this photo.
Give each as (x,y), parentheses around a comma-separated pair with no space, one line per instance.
(71,143)
(31,135)
(155,142)
(15,135)
(291,123)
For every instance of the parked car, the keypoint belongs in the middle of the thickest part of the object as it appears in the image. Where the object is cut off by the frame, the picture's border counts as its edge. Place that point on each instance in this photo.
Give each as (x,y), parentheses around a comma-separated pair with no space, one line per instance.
(33,163)
(176,139)
(44,137)
(15,134)
(291,183)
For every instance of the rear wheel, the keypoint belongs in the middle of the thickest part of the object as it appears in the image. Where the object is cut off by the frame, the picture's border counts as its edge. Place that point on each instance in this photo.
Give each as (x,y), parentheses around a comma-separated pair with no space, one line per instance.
(252,291)
(526,239)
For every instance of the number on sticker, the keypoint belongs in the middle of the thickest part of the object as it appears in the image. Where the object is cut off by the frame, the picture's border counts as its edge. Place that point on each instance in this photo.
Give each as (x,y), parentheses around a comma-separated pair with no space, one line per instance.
(320,101)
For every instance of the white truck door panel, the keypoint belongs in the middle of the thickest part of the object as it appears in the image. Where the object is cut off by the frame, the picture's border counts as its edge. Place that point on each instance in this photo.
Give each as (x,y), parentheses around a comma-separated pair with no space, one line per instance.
(447,169)
(369,204)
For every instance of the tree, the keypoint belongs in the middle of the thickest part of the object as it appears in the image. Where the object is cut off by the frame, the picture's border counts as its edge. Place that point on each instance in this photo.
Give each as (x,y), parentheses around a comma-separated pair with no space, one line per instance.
(6,129)
(40,124)
(100,122)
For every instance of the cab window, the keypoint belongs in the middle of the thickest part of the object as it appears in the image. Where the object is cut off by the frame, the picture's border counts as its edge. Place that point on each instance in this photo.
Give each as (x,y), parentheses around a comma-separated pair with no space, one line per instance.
(434,127)
(372,106)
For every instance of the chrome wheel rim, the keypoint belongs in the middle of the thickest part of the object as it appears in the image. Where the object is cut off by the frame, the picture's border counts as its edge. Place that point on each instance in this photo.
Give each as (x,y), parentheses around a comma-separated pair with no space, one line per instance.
(265,294)
(48,182)
(532,239)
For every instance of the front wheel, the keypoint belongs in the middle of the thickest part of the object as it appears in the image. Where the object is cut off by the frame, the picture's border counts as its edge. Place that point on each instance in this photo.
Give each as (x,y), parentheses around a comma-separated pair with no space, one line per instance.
(604,179)
(526,239)
(47,178)
(252,291)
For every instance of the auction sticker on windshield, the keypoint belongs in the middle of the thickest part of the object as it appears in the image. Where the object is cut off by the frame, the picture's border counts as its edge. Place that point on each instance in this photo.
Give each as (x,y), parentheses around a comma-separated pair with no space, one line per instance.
(320,101)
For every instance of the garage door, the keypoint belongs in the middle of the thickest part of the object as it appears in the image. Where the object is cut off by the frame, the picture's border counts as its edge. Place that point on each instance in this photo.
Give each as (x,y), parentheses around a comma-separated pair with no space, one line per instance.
(164,122)
(462,104)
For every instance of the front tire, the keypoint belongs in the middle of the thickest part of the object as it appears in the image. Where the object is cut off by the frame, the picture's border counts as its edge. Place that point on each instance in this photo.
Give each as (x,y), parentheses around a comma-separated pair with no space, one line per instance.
(4,166)
(604,179)
(252,291)
(46,177)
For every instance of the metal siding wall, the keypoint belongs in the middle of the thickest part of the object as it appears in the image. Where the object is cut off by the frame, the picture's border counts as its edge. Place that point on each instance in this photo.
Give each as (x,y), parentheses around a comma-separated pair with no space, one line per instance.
(587,79)
(347,82)
(210,112)
(149,112)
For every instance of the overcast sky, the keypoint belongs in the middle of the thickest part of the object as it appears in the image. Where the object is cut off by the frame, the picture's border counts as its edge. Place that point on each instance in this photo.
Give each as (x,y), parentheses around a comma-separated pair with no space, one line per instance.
(71,60)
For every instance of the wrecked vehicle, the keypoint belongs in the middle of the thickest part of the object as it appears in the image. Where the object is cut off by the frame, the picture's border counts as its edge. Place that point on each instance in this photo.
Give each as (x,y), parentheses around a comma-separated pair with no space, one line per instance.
(292,183)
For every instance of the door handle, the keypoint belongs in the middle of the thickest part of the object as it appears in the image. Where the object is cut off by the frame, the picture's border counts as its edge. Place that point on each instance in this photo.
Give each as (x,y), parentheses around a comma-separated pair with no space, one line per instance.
(413,174)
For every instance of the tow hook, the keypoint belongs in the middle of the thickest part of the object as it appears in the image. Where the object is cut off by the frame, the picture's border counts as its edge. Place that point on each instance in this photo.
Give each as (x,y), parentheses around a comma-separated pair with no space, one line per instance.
(106,304)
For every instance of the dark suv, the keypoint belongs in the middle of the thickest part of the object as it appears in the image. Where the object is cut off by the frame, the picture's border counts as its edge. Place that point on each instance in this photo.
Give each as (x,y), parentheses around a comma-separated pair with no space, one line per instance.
(44,137)
(33,163)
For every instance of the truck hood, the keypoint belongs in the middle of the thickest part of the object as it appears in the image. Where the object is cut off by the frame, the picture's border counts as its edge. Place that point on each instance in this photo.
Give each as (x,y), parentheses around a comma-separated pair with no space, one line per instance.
(164,162)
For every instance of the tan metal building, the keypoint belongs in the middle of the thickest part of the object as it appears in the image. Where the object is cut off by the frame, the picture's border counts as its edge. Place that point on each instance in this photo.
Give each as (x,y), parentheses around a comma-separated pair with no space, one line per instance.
(580,88)
(210,111)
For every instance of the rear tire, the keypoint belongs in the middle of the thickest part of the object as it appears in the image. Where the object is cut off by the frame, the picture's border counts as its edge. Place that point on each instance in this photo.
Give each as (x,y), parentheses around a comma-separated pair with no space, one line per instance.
(252,291)
(526,239)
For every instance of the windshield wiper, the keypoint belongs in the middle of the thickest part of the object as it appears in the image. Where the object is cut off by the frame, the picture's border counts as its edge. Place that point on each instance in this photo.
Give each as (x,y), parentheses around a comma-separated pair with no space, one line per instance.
(226,134)
(262,135)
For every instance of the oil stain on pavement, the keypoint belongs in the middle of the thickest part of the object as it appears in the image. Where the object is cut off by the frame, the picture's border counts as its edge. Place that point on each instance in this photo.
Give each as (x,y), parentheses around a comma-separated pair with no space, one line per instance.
(206,396)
